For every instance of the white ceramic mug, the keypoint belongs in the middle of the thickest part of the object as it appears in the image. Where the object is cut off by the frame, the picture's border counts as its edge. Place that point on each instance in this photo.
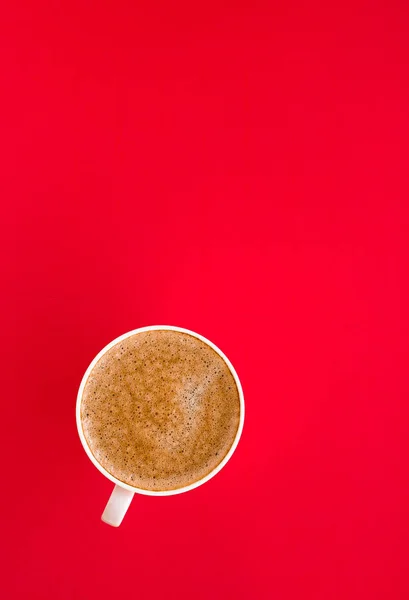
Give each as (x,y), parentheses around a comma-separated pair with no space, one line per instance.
(123,493)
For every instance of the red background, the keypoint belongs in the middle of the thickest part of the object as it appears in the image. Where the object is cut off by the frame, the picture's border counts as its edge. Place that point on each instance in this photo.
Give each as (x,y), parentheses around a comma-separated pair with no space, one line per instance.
(240,169)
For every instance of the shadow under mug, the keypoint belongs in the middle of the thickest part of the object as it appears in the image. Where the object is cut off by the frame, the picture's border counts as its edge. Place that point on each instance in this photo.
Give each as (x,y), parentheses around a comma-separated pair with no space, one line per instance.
(123,493)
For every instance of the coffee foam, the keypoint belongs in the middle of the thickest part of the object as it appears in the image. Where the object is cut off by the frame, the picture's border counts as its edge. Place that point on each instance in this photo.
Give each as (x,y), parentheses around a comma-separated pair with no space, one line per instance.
(160,410)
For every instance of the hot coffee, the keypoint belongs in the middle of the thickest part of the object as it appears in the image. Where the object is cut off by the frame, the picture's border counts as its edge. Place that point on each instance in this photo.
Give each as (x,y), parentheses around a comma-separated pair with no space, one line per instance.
(160,410)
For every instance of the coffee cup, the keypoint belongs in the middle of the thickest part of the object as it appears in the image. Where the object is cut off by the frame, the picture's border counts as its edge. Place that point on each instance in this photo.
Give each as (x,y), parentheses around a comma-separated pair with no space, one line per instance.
(123,491)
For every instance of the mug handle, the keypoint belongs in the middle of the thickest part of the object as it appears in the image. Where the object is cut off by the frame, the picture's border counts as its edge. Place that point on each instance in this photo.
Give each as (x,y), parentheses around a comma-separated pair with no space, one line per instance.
(117,506)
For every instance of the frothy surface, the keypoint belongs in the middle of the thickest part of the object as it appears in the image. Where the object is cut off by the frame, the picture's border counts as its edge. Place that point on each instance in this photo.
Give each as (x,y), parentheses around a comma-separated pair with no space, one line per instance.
(160,410)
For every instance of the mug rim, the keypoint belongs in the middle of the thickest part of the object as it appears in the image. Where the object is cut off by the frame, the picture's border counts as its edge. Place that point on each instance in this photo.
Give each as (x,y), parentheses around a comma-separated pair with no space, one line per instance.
(195,484)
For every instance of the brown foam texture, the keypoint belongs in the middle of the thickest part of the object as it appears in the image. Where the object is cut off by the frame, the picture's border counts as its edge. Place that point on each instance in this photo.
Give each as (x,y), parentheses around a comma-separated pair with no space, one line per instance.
(160,410)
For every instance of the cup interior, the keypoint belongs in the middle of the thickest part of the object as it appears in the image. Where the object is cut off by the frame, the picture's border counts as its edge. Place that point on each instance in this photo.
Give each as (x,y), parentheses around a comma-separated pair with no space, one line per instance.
(141,490)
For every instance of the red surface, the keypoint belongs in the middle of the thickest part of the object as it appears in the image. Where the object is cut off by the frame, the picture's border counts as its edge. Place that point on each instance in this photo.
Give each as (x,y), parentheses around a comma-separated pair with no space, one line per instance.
(240,169)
